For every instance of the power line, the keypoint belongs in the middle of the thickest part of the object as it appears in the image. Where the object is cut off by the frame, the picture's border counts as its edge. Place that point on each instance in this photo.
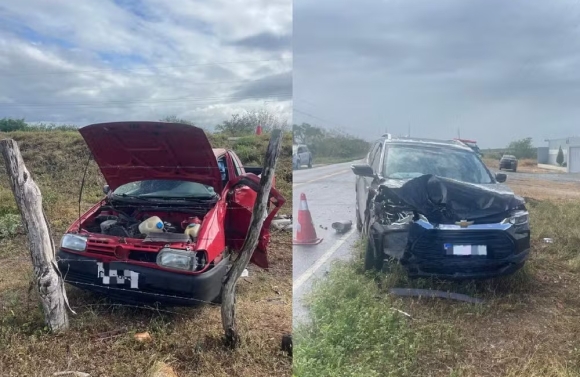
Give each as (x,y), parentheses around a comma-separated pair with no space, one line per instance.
(142,68)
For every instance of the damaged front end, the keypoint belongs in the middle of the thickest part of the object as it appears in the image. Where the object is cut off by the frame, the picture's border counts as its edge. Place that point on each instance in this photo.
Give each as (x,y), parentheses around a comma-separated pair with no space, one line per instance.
(438,227)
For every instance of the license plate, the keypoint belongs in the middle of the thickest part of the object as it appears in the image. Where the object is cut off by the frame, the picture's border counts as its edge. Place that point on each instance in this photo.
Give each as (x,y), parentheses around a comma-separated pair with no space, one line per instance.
(465,249)
(112,277)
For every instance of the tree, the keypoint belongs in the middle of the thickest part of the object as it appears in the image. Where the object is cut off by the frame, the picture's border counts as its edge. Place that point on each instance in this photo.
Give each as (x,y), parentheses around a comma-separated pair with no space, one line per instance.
(247,122)
(9,124)
(522,148)
(175,119)
(560,156)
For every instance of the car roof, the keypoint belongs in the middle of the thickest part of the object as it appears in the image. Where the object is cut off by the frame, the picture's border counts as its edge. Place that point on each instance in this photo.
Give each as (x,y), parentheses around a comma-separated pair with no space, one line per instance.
(425,141)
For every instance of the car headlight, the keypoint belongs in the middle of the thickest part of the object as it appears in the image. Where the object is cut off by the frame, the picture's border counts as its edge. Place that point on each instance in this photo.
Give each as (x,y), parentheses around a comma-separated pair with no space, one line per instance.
(73,242)
(181,259)
(519,218)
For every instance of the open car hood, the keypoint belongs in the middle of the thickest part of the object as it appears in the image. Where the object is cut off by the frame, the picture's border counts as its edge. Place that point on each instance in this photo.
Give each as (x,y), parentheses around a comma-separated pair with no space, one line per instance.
(445,201)
(133,151)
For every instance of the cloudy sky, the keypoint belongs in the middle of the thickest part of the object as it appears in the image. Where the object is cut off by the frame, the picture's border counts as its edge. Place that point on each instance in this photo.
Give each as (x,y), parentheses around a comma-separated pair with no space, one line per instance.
(101,60)
(497,70)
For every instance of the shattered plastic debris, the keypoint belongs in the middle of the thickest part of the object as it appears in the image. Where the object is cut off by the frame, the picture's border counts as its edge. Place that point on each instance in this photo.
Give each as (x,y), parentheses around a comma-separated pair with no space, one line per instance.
(282,222)
(548,240)
(342,226)
(245,273)
(410,292)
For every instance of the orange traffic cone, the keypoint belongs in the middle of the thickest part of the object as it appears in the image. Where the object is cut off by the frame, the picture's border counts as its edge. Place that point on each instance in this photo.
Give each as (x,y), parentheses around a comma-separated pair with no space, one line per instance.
(259,130)
(305,232)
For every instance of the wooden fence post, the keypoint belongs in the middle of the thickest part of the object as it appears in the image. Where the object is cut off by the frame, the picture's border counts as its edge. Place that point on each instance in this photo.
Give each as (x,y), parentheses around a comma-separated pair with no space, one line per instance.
(29,201)
(251,242)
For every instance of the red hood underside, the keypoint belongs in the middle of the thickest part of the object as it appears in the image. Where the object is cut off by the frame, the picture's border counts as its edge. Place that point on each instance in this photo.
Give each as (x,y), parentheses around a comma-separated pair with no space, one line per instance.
(132,151)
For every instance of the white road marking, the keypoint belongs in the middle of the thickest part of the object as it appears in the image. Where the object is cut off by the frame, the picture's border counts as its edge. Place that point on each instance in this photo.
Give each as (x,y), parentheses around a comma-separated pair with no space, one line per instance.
(308,273)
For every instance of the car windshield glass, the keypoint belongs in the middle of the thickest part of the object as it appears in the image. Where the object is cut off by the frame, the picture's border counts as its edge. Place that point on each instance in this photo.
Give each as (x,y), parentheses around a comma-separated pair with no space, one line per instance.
(406,162)
(166,189)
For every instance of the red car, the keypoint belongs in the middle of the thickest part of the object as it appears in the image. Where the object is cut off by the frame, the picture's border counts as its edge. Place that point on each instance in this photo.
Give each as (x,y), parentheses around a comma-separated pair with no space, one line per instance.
(174,212)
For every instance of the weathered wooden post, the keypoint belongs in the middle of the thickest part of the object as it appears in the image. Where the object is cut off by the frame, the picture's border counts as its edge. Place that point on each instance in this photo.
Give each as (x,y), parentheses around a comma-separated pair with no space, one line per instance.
(251,242)
(29,201)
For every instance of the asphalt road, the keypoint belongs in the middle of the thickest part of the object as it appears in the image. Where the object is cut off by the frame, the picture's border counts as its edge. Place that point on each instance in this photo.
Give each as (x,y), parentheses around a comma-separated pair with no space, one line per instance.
(330,195)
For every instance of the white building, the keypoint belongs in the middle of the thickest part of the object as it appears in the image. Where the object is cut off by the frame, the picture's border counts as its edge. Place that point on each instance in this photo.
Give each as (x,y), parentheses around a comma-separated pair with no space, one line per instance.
(571,149)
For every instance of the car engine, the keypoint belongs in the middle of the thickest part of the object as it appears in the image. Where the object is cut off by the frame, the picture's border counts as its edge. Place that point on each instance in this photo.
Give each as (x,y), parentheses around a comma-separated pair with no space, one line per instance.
(113,222)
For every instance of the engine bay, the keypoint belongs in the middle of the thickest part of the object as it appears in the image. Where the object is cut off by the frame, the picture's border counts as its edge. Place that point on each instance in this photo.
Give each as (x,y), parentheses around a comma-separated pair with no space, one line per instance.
(142,222)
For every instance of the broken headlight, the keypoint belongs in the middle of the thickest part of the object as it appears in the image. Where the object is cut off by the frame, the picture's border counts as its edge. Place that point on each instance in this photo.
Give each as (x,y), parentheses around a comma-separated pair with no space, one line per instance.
(519,218)
(73,242)
(181,259)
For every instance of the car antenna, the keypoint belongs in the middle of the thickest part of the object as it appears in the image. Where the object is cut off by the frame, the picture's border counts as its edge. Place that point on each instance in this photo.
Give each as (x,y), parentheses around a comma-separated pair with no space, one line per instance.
(82,186)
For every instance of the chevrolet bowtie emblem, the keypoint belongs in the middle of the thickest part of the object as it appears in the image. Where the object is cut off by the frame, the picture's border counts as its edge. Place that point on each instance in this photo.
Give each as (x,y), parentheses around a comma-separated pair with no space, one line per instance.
(464,223)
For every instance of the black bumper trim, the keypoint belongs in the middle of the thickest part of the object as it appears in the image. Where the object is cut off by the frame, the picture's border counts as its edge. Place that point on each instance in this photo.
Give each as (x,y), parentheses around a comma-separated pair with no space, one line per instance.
(155,286)
(486,269)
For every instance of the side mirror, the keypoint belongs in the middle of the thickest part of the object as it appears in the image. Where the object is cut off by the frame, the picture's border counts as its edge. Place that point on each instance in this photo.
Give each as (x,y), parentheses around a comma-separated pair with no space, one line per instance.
(501,177)
(106,189)
(363,170)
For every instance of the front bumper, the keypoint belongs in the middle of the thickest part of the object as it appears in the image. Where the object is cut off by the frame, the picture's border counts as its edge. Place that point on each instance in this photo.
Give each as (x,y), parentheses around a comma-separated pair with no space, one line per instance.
(421,249)
(141,285)
(508,165)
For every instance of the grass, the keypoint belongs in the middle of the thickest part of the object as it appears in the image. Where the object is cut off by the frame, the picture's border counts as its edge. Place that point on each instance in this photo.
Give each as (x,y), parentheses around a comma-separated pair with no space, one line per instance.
(527,326)
(100,341)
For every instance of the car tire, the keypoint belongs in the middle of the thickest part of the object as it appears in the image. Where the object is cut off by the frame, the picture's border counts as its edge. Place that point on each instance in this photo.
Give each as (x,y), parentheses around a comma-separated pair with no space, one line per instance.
(372,262)
(310,163)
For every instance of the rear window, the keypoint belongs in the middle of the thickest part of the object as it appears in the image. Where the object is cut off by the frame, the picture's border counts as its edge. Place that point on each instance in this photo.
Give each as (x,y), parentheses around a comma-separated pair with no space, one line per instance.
(406,162)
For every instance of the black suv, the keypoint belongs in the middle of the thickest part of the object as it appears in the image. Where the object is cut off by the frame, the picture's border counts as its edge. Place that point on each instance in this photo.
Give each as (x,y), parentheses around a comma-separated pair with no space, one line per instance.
(508,161)
(435,207)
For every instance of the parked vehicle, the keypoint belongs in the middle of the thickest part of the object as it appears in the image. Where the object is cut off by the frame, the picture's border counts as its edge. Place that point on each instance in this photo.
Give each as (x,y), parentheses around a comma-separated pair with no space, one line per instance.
(301,156)
(434,207)
(173,211)
(509,162)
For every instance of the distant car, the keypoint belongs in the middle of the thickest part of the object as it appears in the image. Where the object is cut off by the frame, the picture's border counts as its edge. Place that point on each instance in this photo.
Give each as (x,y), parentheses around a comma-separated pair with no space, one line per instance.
(509,162)
(435,208)
(301,156)
(174,211)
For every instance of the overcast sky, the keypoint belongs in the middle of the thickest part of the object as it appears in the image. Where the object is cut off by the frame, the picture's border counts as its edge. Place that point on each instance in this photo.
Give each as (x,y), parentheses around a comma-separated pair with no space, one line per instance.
(497,70)
(102,60)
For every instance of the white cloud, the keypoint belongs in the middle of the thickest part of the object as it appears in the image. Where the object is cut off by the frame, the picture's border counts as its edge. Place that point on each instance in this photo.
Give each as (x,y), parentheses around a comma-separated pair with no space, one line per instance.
(92,61)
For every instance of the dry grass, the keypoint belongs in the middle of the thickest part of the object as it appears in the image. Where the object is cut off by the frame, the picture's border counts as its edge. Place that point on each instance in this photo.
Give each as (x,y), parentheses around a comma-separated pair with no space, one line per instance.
(526,165)
(101,341)
(528,324)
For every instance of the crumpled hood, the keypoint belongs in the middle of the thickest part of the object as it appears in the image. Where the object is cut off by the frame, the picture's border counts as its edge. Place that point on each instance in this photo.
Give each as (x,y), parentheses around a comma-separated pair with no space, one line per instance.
(131,151)
(444,200)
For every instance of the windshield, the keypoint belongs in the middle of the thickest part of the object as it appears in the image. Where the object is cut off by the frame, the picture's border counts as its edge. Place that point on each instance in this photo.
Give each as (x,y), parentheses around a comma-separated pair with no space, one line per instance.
(165,189)
(406,162)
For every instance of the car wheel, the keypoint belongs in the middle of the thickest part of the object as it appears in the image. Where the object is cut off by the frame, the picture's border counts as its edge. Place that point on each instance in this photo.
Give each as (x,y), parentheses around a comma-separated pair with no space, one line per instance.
(310,163)
(372,262)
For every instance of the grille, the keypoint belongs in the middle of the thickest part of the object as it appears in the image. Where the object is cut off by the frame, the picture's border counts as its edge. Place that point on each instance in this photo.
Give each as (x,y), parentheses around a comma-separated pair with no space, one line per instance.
(144,253)
(430,244)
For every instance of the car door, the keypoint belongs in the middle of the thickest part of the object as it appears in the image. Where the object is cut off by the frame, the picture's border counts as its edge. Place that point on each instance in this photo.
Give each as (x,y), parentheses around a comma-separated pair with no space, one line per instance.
(242,193)
(374,162)
(361,184)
